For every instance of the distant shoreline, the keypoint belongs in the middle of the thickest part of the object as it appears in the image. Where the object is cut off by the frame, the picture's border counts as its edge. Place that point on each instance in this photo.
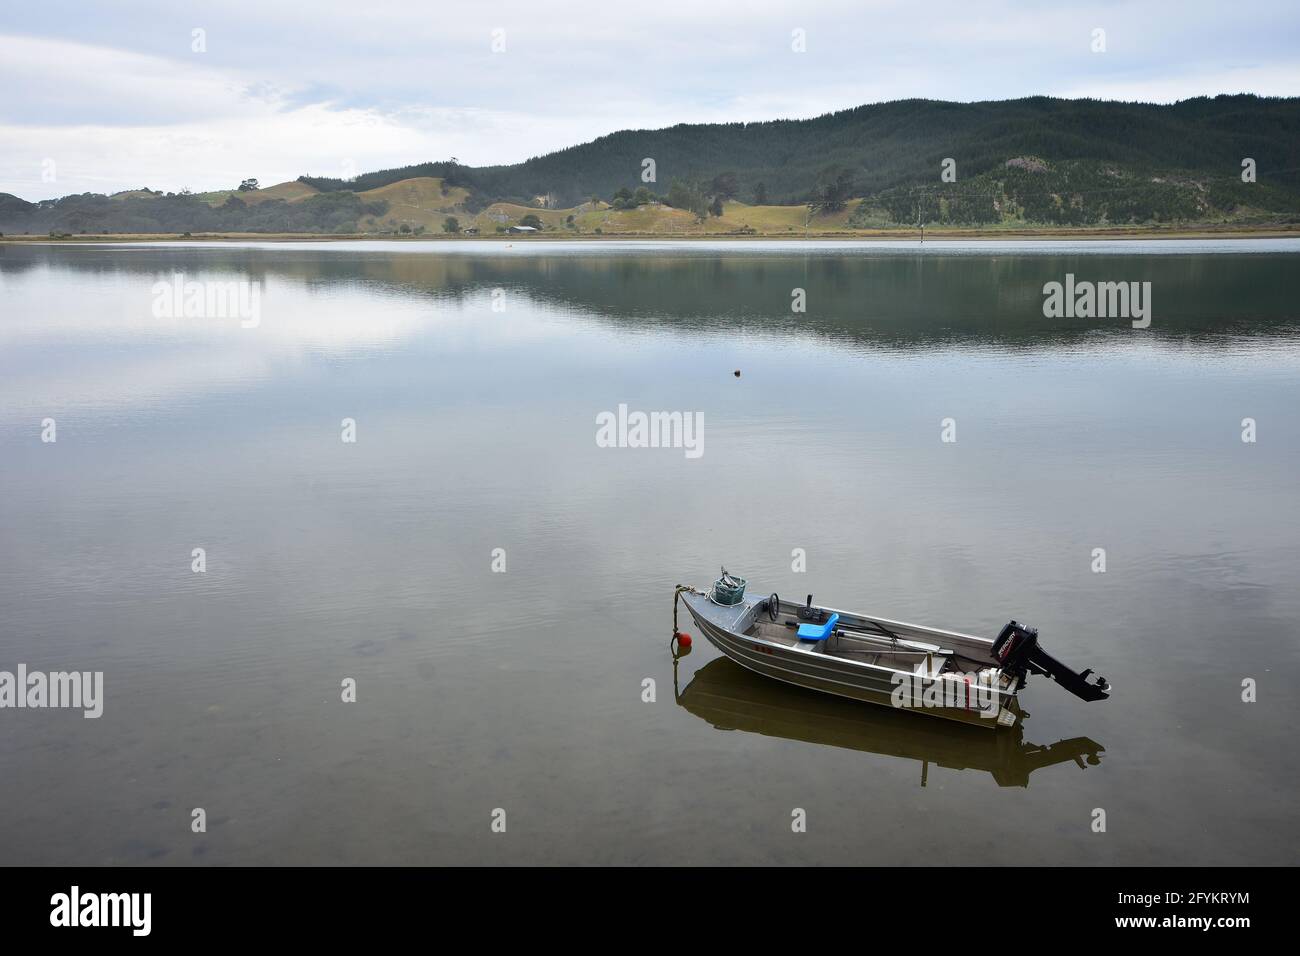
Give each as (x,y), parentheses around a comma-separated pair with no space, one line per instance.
(863,235)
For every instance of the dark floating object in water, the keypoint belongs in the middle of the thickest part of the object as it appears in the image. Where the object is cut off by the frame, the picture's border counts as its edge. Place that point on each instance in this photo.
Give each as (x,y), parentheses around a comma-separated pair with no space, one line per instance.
(737,373)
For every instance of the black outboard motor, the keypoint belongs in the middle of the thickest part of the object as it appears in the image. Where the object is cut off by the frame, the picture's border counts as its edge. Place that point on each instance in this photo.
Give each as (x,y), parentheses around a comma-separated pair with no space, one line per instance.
(1016,650)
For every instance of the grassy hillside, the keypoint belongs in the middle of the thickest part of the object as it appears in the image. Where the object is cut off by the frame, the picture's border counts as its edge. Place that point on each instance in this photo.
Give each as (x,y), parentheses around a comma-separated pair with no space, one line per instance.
(658,219)
(289,192)
(423,201)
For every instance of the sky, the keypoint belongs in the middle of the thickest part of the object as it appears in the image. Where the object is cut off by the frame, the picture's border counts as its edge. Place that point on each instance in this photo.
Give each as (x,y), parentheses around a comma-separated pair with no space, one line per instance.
(122,94)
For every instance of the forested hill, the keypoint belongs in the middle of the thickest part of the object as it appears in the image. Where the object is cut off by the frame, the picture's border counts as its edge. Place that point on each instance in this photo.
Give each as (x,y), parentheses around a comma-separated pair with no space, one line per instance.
(888,146)
(1016,163)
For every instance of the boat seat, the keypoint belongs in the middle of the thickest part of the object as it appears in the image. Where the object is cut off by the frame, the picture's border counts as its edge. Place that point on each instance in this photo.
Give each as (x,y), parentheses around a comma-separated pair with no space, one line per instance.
(818,632)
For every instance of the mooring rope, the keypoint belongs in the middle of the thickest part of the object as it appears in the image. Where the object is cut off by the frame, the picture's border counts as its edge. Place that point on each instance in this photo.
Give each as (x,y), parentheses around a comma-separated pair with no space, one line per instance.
(672,643)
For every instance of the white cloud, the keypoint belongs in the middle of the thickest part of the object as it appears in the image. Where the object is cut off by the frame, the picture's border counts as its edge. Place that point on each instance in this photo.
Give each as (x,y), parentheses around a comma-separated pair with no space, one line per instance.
(70,82)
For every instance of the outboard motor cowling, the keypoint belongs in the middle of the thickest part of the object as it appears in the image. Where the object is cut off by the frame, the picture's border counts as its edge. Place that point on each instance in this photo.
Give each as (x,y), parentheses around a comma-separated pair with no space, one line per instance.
(1014,645)
(1017,651)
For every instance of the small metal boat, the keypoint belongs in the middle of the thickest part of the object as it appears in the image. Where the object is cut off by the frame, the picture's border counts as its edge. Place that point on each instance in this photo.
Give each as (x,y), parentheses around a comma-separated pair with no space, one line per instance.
(734,699)
(940,673)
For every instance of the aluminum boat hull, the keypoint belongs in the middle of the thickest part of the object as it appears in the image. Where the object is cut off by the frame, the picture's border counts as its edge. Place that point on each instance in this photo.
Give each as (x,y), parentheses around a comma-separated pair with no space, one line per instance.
(745,634)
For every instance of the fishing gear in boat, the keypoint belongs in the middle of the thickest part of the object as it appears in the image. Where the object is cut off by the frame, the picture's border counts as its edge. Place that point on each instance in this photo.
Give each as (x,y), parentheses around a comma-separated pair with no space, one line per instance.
(728,590)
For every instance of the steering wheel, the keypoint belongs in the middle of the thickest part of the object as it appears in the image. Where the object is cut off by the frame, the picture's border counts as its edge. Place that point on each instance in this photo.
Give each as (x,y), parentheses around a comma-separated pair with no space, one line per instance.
(773,607)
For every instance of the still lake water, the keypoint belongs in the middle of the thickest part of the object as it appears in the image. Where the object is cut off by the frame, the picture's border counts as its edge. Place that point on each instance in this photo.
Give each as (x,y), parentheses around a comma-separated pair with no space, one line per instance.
(523,690)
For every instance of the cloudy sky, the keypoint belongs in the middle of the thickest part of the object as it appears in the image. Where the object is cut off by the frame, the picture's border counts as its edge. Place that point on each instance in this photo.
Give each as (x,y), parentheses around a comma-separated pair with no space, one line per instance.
(103,96)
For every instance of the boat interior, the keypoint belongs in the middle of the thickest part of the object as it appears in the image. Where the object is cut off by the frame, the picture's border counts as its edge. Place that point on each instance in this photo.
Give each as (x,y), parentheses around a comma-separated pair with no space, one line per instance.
(860,639)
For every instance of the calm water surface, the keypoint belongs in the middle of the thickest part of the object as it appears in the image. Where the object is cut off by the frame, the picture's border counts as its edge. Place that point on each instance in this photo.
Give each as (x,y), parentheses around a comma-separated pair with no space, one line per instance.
(523,690)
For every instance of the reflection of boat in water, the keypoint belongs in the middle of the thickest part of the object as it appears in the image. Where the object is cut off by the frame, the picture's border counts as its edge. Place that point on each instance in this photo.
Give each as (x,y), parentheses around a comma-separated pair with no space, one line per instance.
(732,698)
